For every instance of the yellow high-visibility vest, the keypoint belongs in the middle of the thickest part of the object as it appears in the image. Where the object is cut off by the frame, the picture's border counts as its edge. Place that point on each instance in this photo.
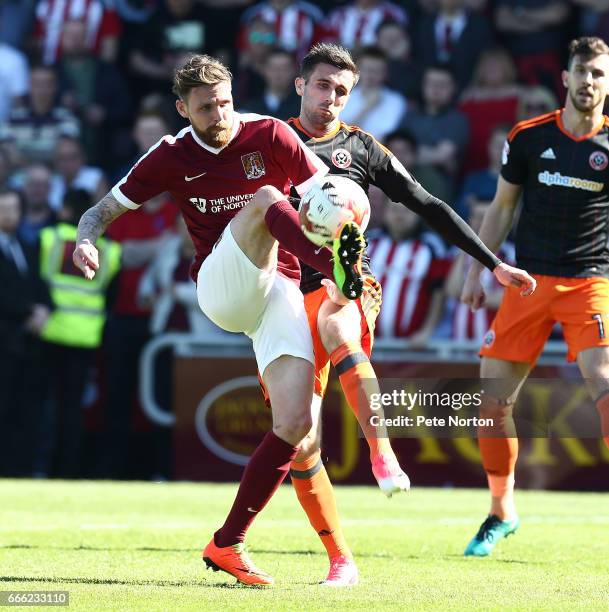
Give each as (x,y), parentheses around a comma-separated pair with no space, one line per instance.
(80,304)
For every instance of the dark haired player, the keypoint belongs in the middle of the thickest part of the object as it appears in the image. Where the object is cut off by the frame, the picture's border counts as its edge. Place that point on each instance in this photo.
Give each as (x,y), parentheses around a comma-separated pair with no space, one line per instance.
(343,332)
(559,164)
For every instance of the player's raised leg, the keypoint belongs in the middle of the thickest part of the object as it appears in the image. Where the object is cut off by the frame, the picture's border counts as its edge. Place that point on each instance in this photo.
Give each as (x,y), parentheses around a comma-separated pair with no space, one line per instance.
(340,329)
(499,451)
(316,495)
(269,217)
(594,366)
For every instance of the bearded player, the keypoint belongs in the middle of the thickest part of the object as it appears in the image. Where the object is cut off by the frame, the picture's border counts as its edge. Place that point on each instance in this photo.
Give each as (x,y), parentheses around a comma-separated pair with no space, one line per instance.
(559,164)
(230,175)
(343,332)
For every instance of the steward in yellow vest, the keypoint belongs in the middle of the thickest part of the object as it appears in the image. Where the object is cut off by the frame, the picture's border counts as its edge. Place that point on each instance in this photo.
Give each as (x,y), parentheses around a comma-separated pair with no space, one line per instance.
(80,305)
(72,334)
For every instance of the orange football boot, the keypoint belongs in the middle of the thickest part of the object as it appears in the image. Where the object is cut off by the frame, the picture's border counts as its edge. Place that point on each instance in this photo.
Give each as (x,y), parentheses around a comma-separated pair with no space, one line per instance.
(235,561)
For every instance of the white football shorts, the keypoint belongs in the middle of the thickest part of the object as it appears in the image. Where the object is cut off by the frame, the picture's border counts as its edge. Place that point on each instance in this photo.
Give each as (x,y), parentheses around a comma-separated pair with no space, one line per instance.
(239,297)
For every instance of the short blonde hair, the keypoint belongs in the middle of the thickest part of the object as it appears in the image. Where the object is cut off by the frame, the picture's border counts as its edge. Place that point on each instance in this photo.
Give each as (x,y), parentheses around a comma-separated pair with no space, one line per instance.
(199,70)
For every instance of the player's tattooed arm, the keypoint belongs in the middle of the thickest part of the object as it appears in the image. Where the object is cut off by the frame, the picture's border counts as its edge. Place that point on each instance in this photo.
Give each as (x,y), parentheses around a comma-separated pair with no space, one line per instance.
(95,221)
(91,226)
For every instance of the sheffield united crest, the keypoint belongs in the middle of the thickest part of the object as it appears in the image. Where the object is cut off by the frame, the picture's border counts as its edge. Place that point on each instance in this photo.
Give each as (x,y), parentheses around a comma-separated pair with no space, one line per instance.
(598,160)
(253,165)
(341,158)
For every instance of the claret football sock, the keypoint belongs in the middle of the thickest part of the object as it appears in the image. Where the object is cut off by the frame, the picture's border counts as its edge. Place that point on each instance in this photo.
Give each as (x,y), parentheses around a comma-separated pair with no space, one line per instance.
(284,225)
(316,496)
(602,405)
(358,381)
(265,471)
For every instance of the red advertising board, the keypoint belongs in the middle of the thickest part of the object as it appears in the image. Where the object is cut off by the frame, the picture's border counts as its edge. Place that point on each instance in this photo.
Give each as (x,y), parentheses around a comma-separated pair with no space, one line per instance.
(220,418)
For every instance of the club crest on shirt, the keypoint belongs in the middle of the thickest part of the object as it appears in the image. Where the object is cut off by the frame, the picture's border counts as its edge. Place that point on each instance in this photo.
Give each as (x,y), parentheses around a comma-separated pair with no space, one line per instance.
(253,165)
(598,160)
(341,158)
(489,338)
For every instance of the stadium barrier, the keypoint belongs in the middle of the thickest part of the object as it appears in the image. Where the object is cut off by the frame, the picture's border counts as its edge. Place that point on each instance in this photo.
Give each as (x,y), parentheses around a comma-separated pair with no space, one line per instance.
(218,416)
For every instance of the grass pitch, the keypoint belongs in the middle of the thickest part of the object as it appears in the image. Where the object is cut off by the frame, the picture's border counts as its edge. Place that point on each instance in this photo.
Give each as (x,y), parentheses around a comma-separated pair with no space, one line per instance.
(136,546)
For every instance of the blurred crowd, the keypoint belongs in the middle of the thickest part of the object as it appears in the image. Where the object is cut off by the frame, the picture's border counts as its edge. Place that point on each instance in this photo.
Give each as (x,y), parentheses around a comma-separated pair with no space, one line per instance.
(85,91)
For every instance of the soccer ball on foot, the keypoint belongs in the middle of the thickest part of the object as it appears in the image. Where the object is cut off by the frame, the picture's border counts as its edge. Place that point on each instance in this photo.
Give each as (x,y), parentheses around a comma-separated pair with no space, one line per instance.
(325,208)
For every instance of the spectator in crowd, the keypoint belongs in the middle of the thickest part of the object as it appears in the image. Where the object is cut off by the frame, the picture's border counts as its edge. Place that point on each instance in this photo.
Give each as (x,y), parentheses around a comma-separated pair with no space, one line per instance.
(490,100)
(5,169)
(166,288)
(71,172)
(149,127)
(135,11)
(95,91)
(14,79)
(378,202)
(258,39)
(479,6)
(71,335)
(224,16)
(31,131)
(25,306)
(535,100)
(141,235)
(38,212)
(466,324)
(456,36)
(534,32)
(479,187)
(404,146)
(594,18)
(411,271)
(16,17)
(160,44)
(404,73)
(295,24)
(356,23)
(102,24)
(373,106)
(477,193)
(440,129)
(280,98)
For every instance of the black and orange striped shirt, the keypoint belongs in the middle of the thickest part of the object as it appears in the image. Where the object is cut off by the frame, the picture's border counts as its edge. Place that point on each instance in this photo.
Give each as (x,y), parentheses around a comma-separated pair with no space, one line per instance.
(564,222)
(351,152)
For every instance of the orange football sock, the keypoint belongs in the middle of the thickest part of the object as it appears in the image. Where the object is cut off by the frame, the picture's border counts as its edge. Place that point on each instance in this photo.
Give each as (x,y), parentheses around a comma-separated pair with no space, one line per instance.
(602,405)
(316,496)
(358,381)
(498,446)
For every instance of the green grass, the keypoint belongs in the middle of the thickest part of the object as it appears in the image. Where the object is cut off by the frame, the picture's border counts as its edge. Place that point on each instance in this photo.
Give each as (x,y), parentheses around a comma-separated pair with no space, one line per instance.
(128,546)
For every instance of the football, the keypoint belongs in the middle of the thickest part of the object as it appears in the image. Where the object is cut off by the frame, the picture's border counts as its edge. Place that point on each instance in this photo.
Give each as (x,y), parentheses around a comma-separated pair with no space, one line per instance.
(325,208)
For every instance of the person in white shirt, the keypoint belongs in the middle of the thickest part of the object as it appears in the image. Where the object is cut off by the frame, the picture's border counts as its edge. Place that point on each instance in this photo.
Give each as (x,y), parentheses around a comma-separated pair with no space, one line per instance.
(373,106)
(14,78)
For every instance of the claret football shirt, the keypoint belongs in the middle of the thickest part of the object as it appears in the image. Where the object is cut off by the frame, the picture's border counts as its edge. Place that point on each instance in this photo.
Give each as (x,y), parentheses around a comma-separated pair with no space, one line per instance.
(563,224)
(211,185)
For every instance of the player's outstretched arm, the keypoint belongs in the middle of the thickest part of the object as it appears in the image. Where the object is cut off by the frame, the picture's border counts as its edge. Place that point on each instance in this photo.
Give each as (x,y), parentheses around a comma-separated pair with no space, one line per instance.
(91,226)
(400,186)
(497,222)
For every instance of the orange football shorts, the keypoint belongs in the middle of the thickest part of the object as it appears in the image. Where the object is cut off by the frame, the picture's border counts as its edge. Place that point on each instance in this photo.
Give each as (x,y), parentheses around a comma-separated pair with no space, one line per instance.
(369,305)
(522,324)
